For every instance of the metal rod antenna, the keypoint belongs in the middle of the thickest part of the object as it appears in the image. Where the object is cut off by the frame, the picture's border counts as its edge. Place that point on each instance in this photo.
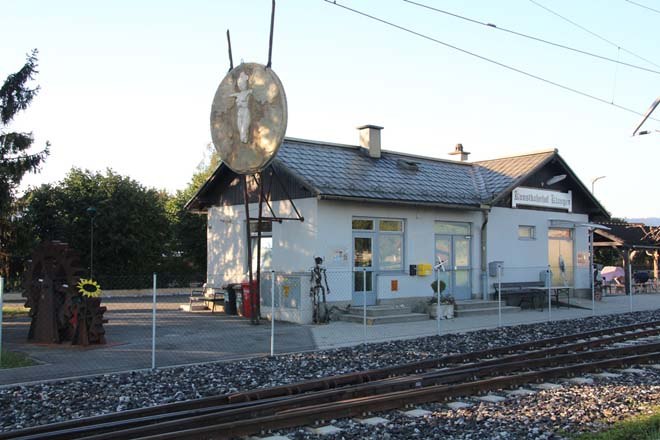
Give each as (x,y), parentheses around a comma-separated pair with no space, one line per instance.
(248,243)
(270,41)
(231,58)
(256,296)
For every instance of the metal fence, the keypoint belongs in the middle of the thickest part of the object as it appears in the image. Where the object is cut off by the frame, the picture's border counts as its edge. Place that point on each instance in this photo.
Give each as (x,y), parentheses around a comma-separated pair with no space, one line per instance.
(160,320)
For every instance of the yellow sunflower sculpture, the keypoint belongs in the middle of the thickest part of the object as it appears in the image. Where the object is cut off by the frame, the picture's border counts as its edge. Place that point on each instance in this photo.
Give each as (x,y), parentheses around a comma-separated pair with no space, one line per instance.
(89,287)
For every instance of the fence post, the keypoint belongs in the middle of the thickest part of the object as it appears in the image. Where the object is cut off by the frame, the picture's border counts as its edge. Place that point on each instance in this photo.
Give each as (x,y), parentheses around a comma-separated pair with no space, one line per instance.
(548,282)
(364,303)
(630,284)
(272,312)
(437,306)
(592,273)
(153,327)
(2,292)
(499,295)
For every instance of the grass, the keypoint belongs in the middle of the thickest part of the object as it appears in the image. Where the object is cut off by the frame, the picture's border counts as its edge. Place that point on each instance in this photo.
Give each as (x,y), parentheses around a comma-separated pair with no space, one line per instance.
(645,427)
(14,311)
(12,359)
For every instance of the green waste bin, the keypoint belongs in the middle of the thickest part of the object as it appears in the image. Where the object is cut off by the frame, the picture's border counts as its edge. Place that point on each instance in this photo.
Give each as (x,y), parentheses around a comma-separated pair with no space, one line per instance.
(230,299)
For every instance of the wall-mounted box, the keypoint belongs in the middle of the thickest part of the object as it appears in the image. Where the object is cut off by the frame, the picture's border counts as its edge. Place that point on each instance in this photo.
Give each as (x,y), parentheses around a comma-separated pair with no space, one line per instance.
(424,269)
(492,268)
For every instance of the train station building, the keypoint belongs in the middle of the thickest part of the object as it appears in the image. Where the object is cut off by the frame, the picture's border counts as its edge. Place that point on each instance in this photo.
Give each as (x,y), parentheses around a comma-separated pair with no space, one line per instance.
(380,219)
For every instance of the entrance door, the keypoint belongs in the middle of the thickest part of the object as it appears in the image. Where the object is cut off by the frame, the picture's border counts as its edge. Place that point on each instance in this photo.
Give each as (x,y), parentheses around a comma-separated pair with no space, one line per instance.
(363,275)
(560,256)
(454,250)
(452,245)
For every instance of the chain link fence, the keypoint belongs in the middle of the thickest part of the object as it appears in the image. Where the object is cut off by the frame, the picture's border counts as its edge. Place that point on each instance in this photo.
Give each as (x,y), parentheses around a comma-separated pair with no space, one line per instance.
(162,320)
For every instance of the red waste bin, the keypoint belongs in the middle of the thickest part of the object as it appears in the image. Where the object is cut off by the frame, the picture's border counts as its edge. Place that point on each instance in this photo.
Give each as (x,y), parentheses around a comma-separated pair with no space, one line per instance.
(248,292)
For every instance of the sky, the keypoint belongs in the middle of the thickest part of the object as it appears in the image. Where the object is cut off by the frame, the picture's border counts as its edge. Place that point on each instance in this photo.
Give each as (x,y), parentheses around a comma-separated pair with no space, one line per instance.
(128,85)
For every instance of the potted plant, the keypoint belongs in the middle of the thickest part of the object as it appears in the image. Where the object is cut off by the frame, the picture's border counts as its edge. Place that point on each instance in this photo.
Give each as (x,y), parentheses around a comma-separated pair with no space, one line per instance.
(447,302)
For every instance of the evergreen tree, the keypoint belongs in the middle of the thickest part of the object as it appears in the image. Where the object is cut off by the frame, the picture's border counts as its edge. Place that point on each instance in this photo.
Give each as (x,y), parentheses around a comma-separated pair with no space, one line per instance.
(15,158)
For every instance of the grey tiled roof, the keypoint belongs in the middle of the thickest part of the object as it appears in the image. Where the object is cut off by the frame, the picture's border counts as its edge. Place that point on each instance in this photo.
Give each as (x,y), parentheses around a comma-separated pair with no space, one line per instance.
(345,171)
(499,174)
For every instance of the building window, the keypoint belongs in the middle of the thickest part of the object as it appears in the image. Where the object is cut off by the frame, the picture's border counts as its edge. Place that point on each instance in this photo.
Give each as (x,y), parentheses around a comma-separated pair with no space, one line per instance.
(363,224)
(560,233)
(449,228)
(526,232)
(387,235)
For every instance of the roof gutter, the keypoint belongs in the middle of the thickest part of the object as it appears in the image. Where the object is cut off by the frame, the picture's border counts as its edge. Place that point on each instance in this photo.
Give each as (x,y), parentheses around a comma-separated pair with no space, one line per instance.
(401,202)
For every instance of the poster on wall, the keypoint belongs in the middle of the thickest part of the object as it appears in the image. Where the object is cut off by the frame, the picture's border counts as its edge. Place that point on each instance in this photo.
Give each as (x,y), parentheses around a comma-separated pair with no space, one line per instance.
(583,259)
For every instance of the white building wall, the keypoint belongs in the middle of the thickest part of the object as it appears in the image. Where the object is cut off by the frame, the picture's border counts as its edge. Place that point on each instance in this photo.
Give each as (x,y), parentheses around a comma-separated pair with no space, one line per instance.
(293,250)
(335,245)
(524,259)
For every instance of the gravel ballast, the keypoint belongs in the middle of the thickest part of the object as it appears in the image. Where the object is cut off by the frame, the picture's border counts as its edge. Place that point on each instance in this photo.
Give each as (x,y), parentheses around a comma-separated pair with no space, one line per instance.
(544,414)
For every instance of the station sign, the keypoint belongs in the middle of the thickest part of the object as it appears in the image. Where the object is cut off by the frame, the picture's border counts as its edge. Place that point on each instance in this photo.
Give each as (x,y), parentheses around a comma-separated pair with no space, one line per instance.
(542,198)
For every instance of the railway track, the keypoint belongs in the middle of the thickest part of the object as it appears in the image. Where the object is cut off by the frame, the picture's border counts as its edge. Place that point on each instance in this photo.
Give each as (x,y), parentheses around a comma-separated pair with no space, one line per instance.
(356,394)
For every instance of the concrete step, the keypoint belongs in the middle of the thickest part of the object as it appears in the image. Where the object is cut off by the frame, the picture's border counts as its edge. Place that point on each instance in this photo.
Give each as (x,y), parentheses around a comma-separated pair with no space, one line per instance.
(475,304)
(388,319)
(380,310)
(485,311)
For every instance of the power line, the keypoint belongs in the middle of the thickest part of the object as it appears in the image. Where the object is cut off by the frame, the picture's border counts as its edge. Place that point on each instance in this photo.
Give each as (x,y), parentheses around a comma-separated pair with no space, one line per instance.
(506,66)
(643,6)
(531,37)
(593,33)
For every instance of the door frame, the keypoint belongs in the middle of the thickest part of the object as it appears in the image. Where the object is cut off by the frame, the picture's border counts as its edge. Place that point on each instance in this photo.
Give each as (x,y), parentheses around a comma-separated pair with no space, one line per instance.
(453,269)
(554,265)
(357,298)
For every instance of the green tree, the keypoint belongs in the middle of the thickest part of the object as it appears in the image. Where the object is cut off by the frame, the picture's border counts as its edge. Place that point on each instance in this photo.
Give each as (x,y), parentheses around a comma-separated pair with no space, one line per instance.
(188,230)
(131,228)
(15,158)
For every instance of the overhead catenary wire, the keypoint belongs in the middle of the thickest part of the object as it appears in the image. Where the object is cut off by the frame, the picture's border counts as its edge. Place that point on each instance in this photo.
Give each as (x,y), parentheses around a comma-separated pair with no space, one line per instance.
(643,6)
(483,58)
(531,37)
(600,37)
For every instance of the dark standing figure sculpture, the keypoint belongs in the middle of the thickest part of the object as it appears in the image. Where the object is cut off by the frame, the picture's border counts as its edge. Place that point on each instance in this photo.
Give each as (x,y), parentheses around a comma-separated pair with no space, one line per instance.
(318,292)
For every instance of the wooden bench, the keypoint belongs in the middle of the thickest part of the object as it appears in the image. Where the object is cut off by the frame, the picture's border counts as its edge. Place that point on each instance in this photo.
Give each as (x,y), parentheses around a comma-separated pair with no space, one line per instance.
(523,292)
(206,294)
(532,293)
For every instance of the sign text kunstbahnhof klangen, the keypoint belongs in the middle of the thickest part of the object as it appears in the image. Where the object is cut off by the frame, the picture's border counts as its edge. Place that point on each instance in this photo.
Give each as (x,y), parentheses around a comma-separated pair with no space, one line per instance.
(542,198)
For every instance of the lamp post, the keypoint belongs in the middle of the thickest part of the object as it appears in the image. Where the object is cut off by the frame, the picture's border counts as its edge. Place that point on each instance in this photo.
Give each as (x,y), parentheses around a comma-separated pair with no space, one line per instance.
(91,211)
(593,181)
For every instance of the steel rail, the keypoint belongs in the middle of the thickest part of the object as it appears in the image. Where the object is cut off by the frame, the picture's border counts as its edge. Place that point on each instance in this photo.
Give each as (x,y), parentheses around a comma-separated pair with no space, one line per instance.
(385,402)
(211,404)
(452,375)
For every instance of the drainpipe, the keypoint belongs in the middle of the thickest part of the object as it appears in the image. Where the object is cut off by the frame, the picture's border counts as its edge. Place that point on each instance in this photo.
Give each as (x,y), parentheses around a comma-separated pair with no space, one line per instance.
(484,253)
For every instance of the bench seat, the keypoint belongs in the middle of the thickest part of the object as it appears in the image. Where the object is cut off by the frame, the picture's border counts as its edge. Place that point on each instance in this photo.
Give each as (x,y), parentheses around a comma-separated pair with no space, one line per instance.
(529,293)
(206,295)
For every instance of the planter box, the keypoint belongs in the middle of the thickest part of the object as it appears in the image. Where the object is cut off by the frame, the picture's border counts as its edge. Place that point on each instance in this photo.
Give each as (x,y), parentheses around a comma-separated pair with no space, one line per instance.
(446,311)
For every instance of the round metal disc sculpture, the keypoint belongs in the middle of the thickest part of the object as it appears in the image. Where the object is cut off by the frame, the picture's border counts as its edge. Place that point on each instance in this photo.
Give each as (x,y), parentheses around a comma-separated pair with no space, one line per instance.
(248,118)
(59,311)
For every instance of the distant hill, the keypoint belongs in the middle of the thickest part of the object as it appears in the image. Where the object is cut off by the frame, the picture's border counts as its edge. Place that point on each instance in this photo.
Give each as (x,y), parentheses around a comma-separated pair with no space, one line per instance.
(651,221)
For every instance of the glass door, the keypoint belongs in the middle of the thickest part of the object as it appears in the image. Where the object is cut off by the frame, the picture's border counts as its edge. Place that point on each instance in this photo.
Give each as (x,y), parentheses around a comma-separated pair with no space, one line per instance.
(363,258)
(462,286)
(560,256)
(454,251)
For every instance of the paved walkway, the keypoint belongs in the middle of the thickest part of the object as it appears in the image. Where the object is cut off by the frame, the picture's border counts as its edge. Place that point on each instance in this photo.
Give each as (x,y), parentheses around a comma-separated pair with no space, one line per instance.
(338,334)
(187,338)
(181,338)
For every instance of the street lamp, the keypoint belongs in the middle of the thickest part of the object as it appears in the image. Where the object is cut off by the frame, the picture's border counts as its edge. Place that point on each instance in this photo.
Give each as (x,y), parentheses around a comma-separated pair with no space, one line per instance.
(594,181)
(91,211)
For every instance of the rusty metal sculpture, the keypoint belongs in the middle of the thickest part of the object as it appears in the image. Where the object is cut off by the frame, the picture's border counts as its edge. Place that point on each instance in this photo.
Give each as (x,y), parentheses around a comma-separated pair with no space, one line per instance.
(59,312)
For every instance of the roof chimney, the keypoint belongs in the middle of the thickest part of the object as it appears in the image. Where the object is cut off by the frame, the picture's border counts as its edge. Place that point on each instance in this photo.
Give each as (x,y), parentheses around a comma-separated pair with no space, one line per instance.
(370,139)
(458,149)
